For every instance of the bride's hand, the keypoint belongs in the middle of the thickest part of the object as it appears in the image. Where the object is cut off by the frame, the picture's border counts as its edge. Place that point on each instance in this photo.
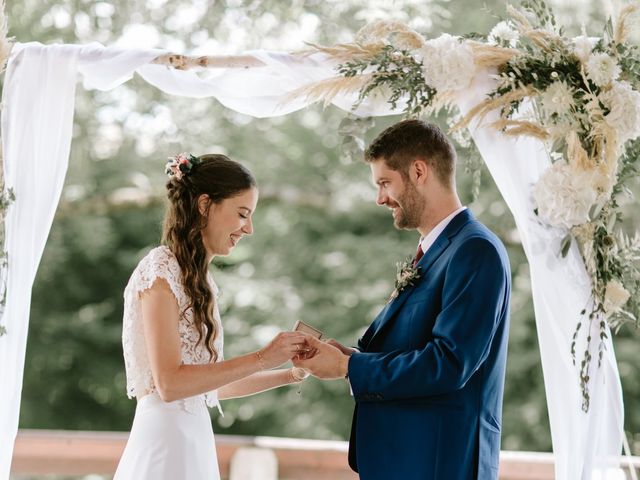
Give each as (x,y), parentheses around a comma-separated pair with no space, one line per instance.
(298,374)
(282,348)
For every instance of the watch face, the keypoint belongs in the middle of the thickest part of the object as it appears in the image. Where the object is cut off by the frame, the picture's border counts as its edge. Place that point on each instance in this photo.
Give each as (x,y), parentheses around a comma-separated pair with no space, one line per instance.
(300,326)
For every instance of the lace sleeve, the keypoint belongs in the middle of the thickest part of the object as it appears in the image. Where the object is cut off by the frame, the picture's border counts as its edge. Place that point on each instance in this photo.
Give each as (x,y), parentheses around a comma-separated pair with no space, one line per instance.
(159,263)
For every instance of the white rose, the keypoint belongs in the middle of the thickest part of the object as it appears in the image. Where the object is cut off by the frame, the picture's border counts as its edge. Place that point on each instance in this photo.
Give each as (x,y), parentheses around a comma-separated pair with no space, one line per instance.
(602,69)
(557,98)
(447,63)
(564,195)
(503,34)
(623,104)
(583,46)
(615,297)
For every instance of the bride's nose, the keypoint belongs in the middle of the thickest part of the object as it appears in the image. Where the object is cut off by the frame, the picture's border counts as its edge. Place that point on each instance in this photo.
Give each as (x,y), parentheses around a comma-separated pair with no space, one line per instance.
(247,229)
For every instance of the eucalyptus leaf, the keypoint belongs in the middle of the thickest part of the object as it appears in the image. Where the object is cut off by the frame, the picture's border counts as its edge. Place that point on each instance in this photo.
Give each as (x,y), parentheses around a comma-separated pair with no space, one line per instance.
(352,148)
(565,244)
(350,126)
(594,211)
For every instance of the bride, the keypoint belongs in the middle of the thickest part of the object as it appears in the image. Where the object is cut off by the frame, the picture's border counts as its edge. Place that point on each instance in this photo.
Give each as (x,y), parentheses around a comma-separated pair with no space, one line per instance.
(172,335)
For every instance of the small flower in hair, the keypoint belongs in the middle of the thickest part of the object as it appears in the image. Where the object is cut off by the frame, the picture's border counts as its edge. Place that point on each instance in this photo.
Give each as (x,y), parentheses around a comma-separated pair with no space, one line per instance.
(180,165)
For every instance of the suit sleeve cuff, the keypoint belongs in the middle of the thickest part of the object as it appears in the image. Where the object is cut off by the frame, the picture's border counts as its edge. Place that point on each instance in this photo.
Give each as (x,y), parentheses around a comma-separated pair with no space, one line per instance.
(357,375)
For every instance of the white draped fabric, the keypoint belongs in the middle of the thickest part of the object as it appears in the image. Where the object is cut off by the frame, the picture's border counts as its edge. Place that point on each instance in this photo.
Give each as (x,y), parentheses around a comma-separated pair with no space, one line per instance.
(37,122)
(37,119)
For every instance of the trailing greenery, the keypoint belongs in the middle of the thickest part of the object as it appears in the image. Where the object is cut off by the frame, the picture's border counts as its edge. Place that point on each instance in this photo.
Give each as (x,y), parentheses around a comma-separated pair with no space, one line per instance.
(7,197)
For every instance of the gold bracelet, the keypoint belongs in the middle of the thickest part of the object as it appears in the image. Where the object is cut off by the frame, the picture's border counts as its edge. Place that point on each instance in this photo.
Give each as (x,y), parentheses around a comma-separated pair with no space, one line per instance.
(296,378)
(260,360)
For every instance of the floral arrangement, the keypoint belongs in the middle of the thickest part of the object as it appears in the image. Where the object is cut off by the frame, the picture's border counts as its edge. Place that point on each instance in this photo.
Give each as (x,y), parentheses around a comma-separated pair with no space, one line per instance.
(407,275)
(581,96)
(180,165)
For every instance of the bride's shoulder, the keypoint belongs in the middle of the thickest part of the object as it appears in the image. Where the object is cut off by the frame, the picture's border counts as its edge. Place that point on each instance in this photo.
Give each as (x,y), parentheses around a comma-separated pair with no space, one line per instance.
(159,254)
(158,260)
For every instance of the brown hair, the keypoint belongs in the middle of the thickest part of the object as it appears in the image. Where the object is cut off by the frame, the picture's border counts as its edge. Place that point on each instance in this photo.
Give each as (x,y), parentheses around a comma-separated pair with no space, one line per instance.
(220,178)
(402,143)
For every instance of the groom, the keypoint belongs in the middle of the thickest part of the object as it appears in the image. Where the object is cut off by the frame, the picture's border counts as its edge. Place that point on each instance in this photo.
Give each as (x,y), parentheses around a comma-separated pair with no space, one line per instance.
(428,375)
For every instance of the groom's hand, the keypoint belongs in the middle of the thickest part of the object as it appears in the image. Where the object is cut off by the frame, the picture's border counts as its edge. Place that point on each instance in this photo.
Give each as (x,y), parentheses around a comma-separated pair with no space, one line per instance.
(342,348)
(327,363)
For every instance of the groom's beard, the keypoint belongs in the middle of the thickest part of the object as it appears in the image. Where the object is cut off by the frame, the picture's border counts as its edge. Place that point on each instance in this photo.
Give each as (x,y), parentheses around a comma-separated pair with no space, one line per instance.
(411,208)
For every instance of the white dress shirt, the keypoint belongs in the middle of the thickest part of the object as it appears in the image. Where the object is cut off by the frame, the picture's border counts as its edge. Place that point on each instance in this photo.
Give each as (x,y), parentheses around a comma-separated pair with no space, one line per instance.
(430,238)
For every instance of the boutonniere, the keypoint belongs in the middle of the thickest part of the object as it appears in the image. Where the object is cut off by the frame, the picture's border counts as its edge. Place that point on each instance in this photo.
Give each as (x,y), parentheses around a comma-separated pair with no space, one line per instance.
(406,277)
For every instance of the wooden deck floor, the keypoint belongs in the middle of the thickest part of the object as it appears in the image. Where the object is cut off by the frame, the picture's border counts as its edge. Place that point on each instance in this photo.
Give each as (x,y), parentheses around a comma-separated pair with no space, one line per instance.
(76,453)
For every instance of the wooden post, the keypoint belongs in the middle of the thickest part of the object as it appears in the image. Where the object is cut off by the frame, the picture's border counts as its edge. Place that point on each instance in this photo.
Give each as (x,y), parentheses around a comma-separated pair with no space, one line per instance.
(185,62)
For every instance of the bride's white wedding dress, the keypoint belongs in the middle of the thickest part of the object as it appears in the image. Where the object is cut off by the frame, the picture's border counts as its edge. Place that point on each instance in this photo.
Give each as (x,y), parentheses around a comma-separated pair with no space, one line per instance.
(171,440)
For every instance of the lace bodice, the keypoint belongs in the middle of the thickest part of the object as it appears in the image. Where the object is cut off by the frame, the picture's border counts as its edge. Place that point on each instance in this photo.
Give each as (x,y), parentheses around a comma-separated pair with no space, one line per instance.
(161,263)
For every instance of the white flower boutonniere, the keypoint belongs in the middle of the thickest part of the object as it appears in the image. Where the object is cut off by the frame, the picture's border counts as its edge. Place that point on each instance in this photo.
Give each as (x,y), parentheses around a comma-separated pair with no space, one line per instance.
(406,277)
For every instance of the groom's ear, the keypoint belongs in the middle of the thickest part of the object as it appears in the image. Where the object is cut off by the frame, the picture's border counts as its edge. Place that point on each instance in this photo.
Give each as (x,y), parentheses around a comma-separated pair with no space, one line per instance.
(419,171)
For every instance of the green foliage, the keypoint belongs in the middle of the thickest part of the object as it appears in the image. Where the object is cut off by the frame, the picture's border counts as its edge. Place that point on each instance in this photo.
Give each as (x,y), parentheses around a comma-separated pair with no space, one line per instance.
(611,256)
(629,256)
(399,72)
(541,15)
(352,129)
(629,61)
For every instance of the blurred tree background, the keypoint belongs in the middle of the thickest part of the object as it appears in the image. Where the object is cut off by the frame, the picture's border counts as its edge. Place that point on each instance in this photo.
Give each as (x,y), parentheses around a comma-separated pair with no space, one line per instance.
(322,250)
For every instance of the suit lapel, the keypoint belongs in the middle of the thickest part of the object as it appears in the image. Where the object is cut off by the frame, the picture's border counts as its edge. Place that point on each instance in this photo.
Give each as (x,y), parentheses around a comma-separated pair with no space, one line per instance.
(426,262)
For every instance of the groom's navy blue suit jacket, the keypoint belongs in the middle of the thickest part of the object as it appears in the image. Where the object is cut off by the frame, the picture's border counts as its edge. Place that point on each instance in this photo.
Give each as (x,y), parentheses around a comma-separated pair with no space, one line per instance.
(429,379)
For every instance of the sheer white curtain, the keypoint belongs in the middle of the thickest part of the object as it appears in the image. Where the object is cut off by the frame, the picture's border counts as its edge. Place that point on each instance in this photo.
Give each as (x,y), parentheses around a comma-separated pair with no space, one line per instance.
(37,119)
(36,131)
